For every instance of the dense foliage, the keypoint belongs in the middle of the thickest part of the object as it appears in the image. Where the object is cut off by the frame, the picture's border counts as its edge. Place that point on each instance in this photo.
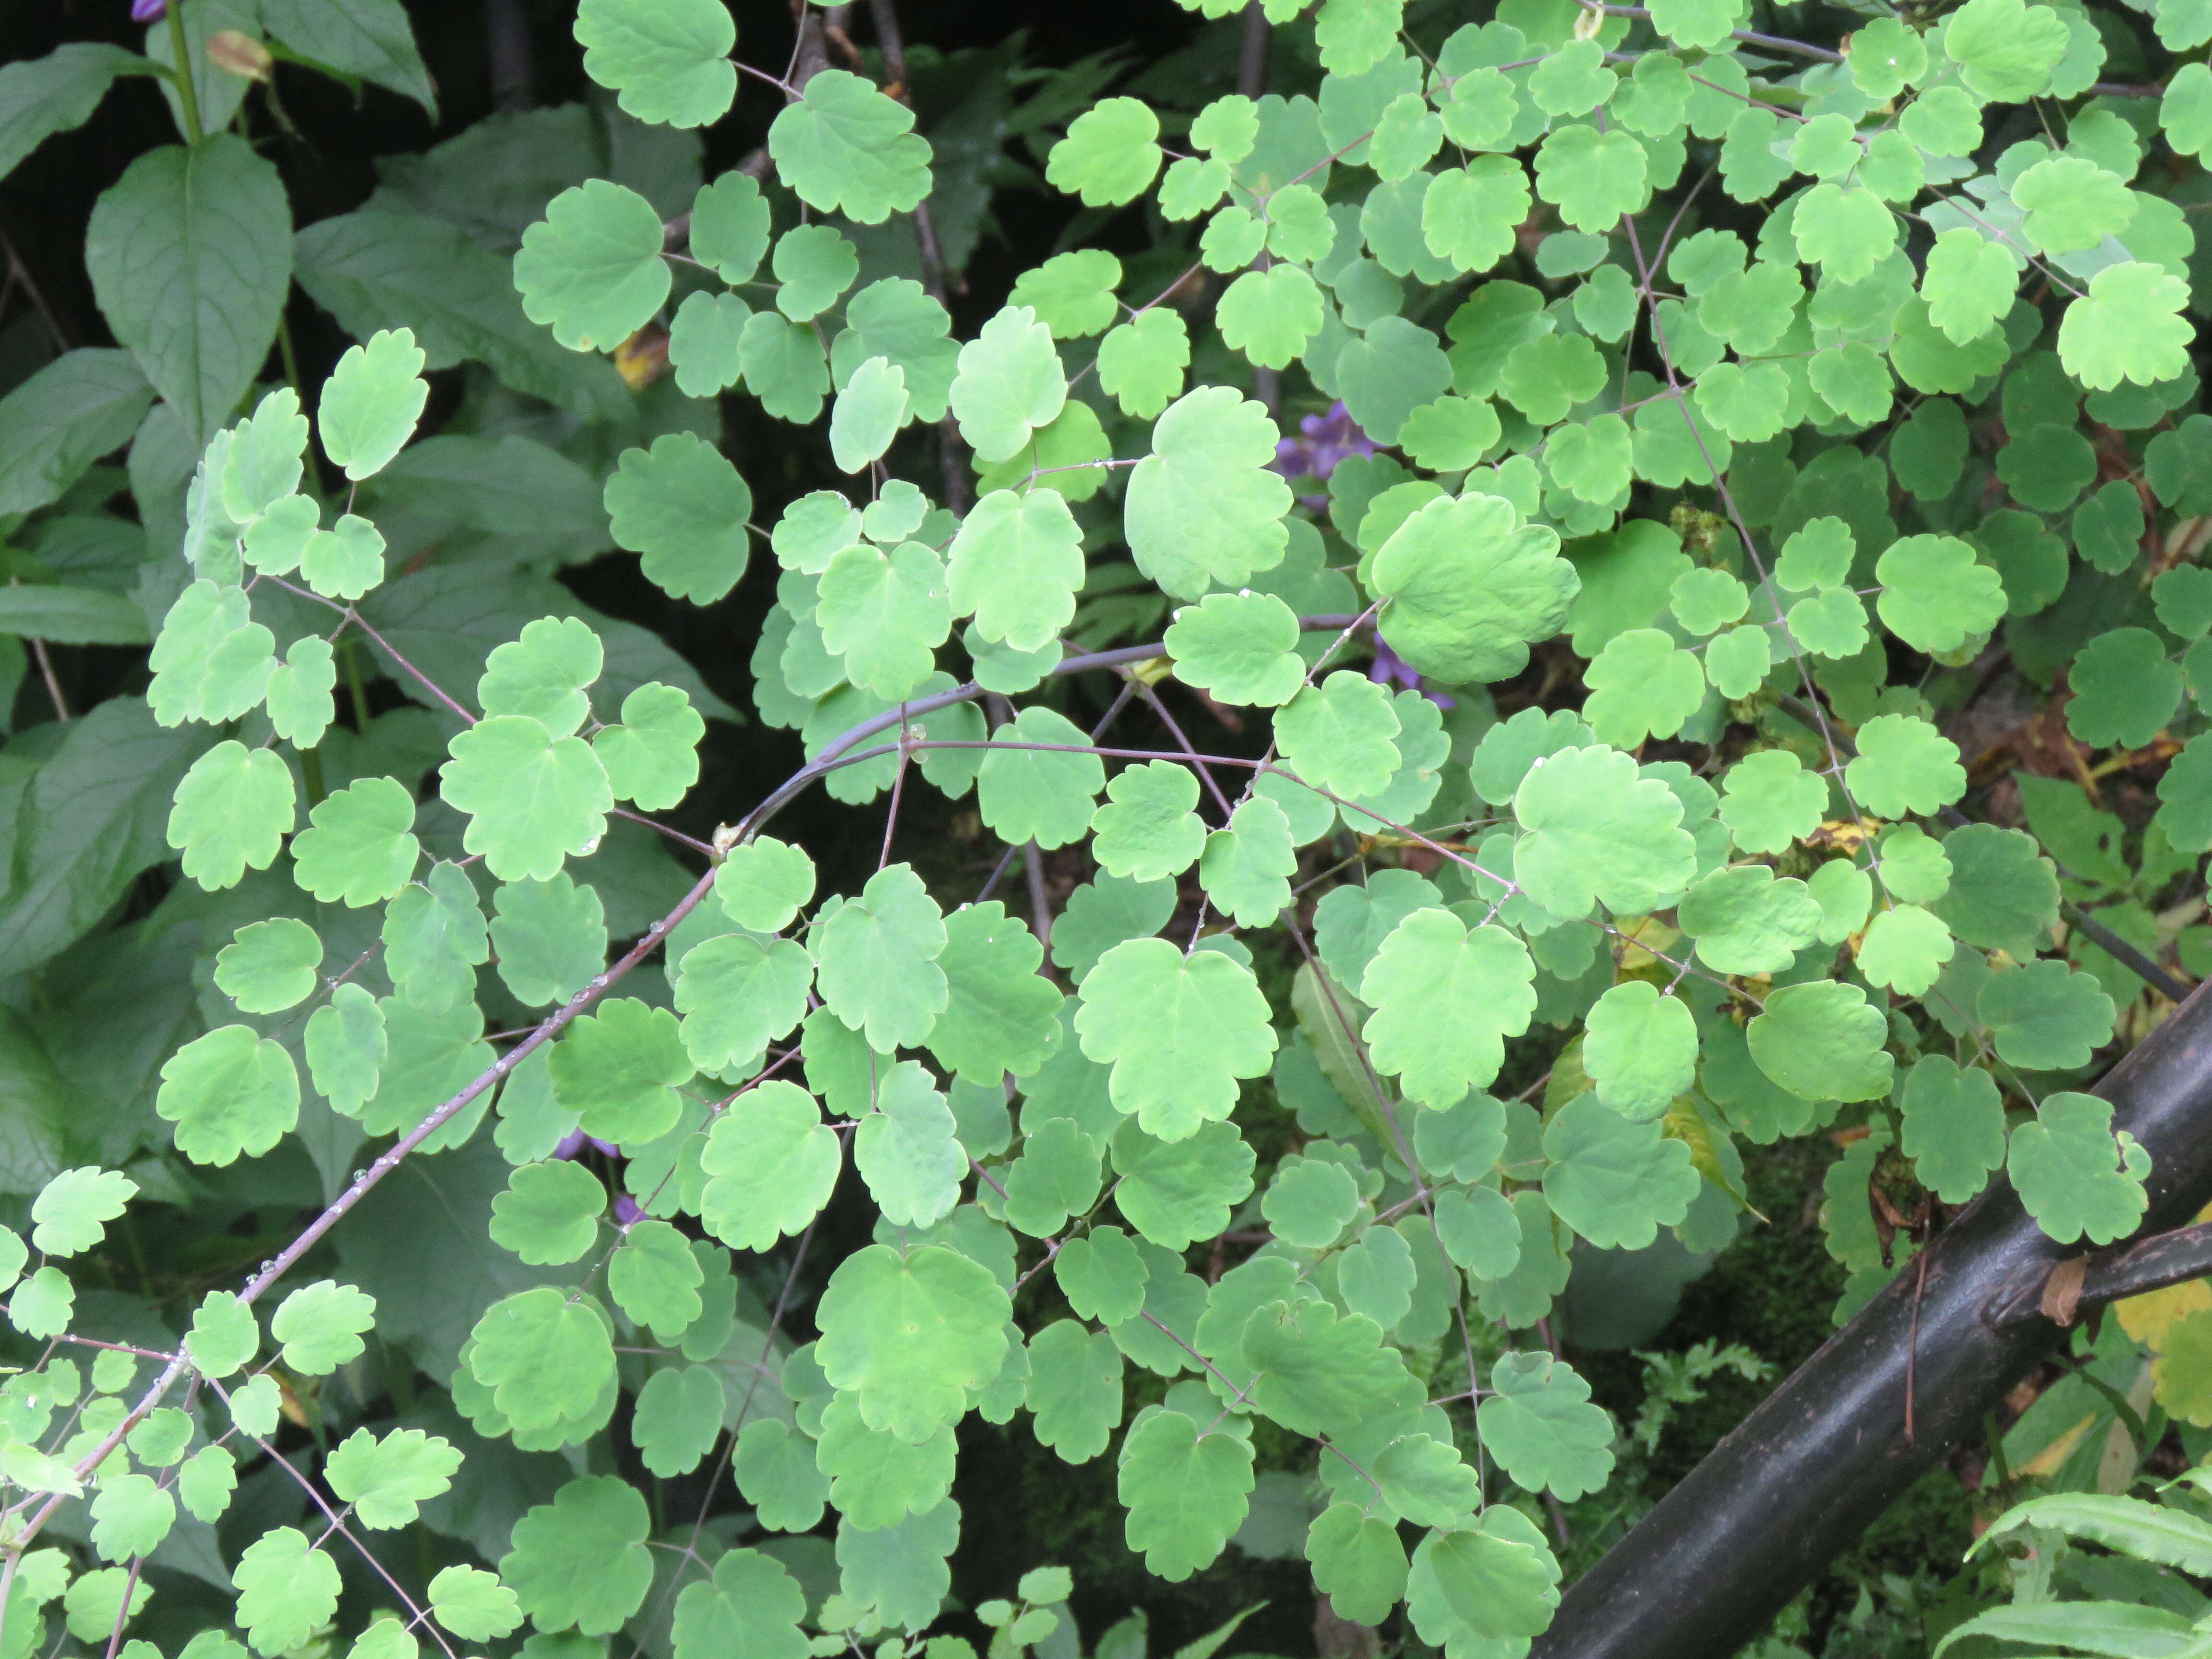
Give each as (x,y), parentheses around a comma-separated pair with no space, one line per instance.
(1528,612)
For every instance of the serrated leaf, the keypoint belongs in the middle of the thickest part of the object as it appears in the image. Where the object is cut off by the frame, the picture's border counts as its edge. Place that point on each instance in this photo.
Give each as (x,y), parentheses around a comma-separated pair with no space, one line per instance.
(1203,509)
(1543,1429)
(230,1092)
(388,1478)
(2076,1175)
(770,1163)
(1613,1182)
(591,269)
(580,1561)
(322,1326)
(682,506)
(1185,1492)
(1177,1030)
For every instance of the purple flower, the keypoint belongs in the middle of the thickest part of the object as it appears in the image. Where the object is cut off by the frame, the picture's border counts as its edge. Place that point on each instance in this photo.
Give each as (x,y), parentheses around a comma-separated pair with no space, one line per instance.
(1389,668)
(626,1210)
(149,11)
(575,1140)
(1322,441)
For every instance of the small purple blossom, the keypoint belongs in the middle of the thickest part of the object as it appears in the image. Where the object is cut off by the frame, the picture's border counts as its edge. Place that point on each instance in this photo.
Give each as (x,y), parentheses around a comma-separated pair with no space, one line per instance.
(149,11)
(575,1140)
(1322,441)
(1389,668)
(626,1210)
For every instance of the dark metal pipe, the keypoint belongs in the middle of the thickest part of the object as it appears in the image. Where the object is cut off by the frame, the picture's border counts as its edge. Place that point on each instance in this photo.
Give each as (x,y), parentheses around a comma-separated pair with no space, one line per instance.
(1817,1463)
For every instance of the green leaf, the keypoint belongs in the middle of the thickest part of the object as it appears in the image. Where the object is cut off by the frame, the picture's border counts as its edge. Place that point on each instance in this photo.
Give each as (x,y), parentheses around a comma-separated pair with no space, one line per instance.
(1317,1374)
(1015,566)
(763,882)
(473,1604)
(1141,362)
(550,937)
(1309,1204)
(1009,384)
(1613,1182)
(1056,1176)
(2074,1174)
(1147,830)
(1904,765)
(190,254)
(651,755)
(42,1304)
(1640,1048)
(210,661)
(544,1357)
(1768,799)
(580,1561)
(906,1151)
(1101,1275)
(73,1209)
(206,1482)
(770,1163)
(1746,921)
(549,1212)
(388,1479)
(2043,1017)
(371,403)
(1469,589)
(1337,735)
(223,1338)
(1074,1390)
(885,614)
(737,995)
(2003,893)
(1493,1582)
(42,96)
(372,40)
(1178,1031)
(1935,595)
(301,707)
(1185,1491)
(1543,1429)
(1357,1562)
(359,847)
(1245,867)
(730,226)
(434,938)
(1953,1129)
(751,1609)
(232,810)
(2125,327)
(1002,1015)
(2149,1532)
(1175,1192)
(1821,1041)
(544,674)
(321,1325)
(1444,999)
(683,507)
(913,1336)
(871,408)
(670,64)
(62,419)
(877,960)
(1110,155)
(776,1470)
(1593,178)
(2005,49)
(2124,689)
(654,1278)
(288,1589)
(1044,794)
(679,1419)
(1269,315)
(533,799)
(231,1091)
(1203,509)
(1904,949)
(619,1068)
(346,1047)
(591,270)
(268,966)
(1596,832)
